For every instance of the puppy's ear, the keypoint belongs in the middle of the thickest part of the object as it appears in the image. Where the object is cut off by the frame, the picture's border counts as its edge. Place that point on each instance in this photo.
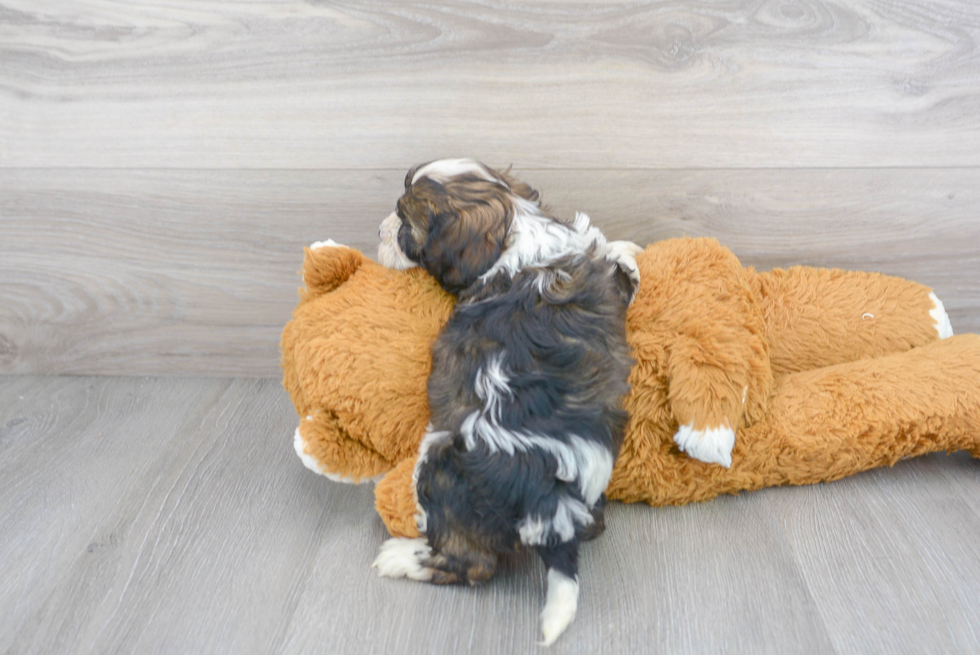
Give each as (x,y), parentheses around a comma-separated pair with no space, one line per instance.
(411,174)
(464,244)
(516,186)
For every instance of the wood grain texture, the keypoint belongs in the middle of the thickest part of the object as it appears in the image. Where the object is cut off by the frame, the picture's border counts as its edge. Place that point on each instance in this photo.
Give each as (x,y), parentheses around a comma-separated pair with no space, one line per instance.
(171,515)
(162,163)
(587,85)
(856,540)
(121,272)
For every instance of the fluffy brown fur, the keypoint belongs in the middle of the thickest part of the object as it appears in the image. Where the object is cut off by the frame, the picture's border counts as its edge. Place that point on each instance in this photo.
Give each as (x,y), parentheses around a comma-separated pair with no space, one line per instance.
(844,373)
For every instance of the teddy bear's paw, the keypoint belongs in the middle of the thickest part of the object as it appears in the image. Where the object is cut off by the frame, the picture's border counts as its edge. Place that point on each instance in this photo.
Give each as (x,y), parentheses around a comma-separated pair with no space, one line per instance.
(329,243)
(400,557)
(624,253)
(310,462)
(713,446)
(940,320)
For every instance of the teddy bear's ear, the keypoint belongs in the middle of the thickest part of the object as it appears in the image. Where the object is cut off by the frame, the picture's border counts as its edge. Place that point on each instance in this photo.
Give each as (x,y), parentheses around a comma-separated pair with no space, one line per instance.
(327,266)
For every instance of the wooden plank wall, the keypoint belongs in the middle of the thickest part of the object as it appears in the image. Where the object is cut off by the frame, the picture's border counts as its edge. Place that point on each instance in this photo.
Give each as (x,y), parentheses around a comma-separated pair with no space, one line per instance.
(162,163)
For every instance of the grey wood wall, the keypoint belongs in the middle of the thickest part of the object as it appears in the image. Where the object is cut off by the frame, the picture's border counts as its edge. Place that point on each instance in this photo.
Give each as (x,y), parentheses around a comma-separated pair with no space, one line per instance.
(163,163)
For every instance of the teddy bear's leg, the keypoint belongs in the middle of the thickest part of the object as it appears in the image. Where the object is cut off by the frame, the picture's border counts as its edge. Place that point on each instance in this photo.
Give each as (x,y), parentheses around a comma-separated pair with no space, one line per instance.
(826,424)
(833,422)
(820,317)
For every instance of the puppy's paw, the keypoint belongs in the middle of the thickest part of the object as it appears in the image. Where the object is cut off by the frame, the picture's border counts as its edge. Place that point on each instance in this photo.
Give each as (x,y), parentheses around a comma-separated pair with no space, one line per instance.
(402,558)
(624,253)
(329,243)
(940,320)
(560,608)
(626,249)
(713,445)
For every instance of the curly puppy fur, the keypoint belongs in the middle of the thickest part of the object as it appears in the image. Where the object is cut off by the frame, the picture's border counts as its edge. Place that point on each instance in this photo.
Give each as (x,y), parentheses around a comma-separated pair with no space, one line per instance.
(528,378)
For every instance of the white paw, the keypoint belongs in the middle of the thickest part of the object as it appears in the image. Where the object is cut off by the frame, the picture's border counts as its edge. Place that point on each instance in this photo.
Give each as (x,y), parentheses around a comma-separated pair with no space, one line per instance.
(624,253)
(402,558)
(713,445)
(560,608)
(329,243)
(626,248)
(939,318)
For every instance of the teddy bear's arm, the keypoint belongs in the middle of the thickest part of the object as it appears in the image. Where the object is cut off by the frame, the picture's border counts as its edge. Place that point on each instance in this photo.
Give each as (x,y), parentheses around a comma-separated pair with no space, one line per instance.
(696,300)
(707,396)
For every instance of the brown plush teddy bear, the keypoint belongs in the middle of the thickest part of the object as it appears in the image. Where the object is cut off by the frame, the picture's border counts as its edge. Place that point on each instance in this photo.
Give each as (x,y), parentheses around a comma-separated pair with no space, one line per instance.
(820,374)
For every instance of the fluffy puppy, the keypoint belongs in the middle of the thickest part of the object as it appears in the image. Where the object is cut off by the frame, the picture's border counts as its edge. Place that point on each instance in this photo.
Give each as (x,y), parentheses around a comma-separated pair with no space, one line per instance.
(527,382)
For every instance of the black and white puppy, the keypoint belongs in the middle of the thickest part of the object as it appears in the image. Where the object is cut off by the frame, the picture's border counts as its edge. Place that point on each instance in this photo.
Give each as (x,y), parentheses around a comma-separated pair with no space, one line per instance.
(527,383)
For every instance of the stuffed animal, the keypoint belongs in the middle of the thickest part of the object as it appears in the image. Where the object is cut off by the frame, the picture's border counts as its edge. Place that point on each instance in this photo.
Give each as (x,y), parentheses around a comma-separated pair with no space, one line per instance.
(818,373)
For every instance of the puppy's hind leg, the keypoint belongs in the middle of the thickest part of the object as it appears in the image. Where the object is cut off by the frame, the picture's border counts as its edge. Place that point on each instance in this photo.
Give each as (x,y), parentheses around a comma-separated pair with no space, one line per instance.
(598,525)
(415,559)
(562,601)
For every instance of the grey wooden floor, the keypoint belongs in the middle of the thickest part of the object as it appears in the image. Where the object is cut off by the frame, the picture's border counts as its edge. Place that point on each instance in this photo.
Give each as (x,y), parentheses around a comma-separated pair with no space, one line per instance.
(171,516)
(163,162)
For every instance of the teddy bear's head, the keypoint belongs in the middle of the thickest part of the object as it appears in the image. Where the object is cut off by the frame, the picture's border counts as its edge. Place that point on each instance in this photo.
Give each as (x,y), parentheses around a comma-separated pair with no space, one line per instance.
(356,359)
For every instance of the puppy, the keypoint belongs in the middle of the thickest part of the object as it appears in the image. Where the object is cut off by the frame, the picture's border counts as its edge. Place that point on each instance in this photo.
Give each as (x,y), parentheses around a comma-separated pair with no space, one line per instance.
(527,382)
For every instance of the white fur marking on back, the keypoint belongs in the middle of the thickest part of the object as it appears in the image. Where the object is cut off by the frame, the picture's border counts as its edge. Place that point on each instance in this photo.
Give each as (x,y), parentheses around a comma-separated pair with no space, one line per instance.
(402,558)
(497,438)
(560,606)
(443,170)
(538,240)
(491,387)
(713,445)
(940,318)
(588,463)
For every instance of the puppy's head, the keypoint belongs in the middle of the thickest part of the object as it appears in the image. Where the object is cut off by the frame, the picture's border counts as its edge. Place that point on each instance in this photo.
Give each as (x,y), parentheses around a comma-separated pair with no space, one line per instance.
(452,220)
